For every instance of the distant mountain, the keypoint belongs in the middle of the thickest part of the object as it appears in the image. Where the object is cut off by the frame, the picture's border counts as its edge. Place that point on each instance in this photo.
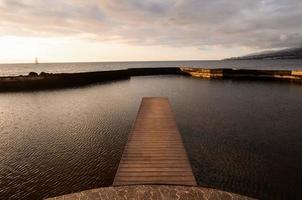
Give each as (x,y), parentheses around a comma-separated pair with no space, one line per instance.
(292,53)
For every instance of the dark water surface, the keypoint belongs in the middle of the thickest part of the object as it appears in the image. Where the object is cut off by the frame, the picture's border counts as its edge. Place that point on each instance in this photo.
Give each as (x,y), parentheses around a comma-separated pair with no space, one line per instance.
(241,136)
(24,69)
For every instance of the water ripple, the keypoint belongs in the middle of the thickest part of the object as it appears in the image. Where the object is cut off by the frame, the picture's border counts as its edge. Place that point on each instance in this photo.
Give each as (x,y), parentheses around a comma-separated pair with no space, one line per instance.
(240,136)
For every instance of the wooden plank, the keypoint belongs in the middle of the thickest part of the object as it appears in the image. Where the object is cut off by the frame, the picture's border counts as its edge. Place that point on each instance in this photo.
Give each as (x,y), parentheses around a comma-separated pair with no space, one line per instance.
(154,153)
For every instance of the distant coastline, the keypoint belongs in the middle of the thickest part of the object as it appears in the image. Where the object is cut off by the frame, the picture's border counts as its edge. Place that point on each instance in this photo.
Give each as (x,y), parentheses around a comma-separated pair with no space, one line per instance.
(292,53)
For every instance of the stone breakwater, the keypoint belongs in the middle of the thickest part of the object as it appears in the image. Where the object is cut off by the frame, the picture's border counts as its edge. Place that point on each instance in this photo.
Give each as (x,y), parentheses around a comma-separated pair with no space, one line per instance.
(34,81)
(284,75)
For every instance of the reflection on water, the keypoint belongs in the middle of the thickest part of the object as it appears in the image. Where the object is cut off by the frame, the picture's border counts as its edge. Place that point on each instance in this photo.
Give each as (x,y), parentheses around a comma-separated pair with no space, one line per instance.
(241,136)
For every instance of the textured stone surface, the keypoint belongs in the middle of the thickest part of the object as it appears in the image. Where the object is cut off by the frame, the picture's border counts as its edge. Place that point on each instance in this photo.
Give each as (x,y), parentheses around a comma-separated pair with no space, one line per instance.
(152,192)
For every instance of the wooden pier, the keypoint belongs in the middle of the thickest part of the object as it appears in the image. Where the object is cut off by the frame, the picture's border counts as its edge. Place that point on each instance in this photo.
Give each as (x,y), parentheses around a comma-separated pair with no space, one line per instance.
(154,153)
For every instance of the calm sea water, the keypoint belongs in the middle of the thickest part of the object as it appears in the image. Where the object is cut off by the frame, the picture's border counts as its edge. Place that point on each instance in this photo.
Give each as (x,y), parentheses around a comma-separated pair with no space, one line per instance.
(241,136)
(24,69)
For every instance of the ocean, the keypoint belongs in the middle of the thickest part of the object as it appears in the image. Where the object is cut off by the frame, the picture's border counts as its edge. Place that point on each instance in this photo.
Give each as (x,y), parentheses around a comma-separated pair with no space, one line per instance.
(24,69)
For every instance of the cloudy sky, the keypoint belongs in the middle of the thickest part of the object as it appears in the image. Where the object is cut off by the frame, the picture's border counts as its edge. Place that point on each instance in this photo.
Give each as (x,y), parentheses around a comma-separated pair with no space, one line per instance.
(116,30)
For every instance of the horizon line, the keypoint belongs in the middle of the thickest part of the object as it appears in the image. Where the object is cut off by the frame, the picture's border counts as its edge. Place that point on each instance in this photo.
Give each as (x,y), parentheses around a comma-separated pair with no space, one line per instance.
(60,62)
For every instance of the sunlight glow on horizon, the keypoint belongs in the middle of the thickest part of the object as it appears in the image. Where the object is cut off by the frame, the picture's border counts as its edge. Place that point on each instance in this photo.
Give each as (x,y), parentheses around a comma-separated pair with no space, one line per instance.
(16,49)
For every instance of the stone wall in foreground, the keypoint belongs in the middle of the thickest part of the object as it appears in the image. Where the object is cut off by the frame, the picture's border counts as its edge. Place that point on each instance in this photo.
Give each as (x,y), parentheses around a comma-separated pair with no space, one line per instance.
(152,192)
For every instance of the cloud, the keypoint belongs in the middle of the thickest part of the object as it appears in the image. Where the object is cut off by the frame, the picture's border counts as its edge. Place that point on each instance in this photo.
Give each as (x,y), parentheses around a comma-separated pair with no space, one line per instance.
(191,23)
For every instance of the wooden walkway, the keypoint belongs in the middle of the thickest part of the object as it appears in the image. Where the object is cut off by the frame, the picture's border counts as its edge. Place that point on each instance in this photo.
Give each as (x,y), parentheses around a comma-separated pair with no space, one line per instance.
(154,153)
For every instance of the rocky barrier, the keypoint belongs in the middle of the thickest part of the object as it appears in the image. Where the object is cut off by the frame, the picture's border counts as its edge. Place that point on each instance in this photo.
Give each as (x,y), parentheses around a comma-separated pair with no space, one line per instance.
(34,81)
(223,73)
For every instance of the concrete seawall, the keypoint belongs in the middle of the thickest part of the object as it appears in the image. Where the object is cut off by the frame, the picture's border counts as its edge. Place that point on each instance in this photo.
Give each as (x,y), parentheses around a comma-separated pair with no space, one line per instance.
(35,81)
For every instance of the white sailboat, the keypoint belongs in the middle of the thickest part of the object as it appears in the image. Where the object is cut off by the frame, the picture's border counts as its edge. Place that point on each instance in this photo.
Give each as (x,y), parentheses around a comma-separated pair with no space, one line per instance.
(36,61)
